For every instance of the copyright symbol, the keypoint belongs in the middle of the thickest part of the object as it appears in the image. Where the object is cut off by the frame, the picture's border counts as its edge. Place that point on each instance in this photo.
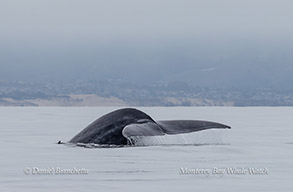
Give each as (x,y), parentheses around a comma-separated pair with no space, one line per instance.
(27,170)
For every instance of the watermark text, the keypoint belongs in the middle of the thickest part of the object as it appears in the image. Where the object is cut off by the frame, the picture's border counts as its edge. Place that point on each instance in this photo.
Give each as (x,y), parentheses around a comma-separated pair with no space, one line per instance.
(55,171)
(224,171)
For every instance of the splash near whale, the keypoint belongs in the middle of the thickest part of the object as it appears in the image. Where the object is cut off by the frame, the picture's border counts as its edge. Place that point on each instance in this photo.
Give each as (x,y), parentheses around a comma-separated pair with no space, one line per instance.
(118,127)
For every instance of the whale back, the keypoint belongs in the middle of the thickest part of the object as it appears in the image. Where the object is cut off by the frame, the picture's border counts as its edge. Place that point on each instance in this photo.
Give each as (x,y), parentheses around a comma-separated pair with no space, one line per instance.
(108,128)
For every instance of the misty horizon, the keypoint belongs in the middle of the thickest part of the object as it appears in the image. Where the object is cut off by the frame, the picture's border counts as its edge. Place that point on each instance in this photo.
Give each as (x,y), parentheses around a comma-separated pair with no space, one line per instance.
(227,44)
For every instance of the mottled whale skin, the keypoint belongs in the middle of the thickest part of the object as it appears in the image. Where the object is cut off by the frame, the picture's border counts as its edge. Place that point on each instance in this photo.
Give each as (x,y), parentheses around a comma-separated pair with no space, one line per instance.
(116,127)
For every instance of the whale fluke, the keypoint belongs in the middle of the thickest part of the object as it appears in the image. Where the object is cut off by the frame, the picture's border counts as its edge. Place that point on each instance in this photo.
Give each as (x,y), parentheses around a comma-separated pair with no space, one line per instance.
(116,127)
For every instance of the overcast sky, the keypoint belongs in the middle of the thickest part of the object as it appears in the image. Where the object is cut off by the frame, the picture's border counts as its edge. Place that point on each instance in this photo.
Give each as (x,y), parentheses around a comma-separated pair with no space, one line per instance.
(201,42)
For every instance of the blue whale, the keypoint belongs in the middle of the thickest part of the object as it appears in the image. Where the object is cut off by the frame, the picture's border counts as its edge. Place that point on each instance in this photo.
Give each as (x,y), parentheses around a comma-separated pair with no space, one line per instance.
(117,127)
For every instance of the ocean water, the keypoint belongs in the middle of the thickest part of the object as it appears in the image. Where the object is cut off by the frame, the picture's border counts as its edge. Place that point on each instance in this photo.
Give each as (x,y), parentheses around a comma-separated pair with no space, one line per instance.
(255,155)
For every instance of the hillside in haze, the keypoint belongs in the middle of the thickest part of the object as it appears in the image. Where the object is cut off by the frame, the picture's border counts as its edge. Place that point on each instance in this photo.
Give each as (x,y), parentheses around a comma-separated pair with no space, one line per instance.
(118,93)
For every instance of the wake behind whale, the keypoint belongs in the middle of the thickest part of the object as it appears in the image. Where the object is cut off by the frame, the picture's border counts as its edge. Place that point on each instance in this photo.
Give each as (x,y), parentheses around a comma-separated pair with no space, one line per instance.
(129,126)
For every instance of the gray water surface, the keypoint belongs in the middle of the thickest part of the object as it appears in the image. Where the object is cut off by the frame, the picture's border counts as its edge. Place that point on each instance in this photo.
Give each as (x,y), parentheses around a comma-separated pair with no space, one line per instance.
(261,140)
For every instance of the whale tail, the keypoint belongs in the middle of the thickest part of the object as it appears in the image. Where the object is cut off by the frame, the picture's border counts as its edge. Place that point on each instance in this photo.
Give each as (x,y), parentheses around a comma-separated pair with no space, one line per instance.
(115,128)
(169,127)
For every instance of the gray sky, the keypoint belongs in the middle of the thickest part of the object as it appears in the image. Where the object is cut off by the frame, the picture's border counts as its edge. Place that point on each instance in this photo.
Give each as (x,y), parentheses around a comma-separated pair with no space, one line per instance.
(205,42)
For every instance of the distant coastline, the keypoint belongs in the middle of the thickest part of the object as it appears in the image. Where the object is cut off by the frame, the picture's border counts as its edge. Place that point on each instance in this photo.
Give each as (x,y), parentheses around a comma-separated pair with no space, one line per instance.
(95,100)
(116,93)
